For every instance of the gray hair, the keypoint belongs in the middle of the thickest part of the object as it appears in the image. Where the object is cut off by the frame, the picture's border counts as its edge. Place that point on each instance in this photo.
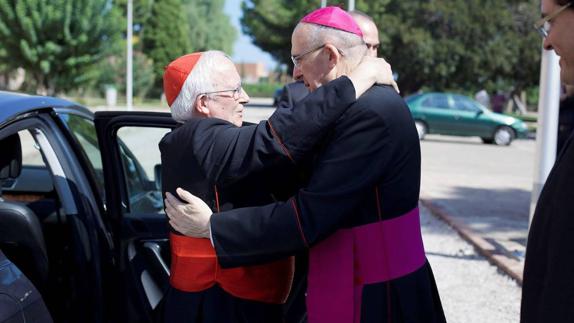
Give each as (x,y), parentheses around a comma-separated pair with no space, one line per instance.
(203,78)
(351,46)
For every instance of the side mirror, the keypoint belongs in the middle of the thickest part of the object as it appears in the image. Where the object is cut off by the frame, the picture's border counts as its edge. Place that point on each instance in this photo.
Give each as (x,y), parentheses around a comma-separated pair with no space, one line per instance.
(157,176)
(478,113)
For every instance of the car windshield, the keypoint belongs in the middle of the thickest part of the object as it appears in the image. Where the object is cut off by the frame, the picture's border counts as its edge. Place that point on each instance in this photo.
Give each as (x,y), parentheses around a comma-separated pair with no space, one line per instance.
(465,103)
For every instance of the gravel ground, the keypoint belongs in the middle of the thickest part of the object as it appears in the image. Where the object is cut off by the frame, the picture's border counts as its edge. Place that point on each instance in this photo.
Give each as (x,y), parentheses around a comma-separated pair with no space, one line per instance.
(471,289)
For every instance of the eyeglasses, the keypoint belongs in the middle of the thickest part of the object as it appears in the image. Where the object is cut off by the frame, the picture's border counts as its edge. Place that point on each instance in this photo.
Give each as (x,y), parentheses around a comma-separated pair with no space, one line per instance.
(235,95)
(543,25)
(372,46)
(297,58)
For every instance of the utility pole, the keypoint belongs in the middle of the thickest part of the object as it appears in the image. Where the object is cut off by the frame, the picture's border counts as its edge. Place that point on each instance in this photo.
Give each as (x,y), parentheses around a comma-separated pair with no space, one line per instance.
(129,72)
(350,5)
(547,130)
(323,3)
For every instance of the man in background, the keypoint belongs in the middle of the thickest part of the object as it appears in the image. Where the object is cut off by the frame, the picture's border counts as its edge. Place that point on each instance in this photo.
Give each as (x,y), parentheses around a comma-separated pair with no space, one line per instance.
(370,31)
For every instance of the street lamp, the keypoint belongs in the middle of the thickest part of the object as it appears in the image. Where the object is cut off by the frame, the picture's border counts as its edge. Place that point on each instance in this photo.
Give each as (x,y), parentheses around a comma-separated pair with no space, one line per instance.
(129,71)
(350,4)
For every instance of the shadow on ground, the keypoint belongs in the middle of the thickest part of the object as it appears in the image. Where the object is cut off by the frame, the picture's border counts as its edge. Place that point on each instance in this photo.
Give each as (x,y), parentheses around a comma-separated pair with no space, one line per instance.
(444,255)
(451,140)
(487,210)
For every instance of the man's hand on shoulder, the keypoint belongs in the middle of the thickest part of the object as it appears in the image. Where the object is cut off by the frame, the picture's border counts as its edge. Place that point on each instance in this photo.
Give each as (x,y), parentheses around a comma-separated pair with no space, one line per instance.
(372,70)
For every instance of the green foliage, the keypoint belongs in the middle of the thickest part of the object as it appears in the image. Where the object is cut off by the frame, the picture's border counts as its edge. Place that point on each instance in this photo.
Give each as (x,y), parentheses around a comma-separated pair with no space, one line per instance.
(271,22)
(113,72)
(209,27)
(438,44)
(262,90)
(532,96)
(166,35)
(466,45)
(3,58)
(140,15)
(58,42)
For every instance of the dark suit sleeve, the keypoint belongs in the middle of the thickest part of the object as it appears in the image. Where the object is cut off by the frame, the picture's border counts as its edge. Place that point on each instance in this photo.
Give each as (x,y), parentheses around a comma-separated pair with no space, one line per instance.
(354,160)
(227,153)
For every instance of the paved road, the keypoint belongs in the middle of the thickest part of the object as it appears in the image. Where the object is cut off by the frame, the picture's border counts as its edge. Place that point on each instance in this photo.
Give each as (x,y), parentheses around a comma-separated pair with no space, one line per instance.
(486,187)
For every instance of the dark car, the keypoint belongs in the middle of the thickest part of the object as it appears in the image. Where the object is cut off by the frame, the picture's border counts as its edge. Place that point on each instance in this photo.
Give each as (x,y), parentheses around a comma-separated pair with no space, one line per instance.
(277,96)
(81,212)
(458,115)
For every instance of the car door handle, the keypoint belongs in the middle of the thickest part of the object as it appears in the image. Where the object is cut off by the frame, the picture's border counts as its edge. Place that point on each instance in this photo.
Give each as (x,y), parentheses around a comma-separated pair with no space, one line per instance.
(156,251)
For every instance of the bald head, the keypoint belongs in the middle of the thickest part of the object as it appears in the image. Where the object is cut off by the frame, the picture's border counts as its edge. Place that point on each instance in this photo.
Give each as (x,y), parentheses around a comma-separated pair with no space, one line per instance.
(321,54)
(369,29)
(348,44)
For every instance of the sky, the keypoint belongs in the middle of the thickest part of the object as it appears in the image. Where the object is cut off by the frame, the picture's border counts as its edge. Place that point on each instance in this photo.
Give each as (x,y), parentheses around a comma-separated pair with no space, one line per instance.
(244,50)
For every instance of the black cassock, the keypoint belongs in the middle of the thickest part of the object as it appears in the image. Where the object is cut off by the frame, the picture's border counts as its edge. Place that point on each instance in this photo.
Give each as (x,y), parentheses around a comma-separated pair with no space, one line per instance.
(206,177)
(548,287)
(292,93)
(357,216)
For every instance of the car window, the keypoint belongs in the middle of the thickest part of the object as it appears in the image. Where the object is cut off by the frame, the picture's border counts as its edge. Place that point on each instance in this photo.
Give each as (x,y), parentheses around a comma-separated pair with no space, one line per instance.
(33,176)
(31,155)
(464,104)
(437,101)
(411,98)
(140,159)
(84,132)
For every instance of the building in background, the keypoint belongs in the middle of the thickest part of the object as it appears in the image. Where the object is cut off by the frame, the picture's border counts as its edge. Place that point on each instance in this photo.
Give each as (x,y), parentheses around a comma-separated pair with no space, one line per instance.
(252,72)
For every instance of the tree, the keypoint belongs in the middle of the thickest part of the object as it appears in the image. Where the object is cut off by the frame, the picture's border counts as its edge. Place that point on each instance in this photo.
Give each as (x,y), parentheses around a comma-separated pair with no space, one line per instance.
(58,42)
(270,23)
(211,28)
(141,12)
(437,44)
(3,70)
(113,73)
(166,36)
(463,45)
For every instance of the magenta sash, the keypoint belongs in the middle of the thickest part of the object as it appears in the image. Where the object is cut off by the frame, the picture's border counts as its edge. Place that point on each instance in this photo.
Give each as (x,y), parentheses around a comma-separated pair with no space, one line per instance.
(342,264)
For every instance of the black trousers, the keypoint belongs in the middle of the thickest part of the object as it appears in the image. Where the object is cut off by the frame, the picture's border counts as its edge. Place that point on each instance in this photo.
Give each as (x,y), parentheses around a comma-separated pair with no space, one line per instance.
(214,305)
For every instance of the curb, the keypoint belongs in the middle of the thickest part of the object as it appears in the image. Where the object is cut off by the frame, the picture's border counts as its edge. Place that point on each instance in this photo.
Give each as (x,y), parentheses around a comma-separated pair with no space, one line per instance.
(509,266)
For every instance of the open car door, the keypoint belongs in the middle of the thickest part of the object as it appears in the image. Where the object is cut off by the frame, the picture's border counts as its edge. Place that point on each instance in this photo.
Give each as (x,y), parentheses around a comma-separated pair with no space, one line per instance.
(134,205)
